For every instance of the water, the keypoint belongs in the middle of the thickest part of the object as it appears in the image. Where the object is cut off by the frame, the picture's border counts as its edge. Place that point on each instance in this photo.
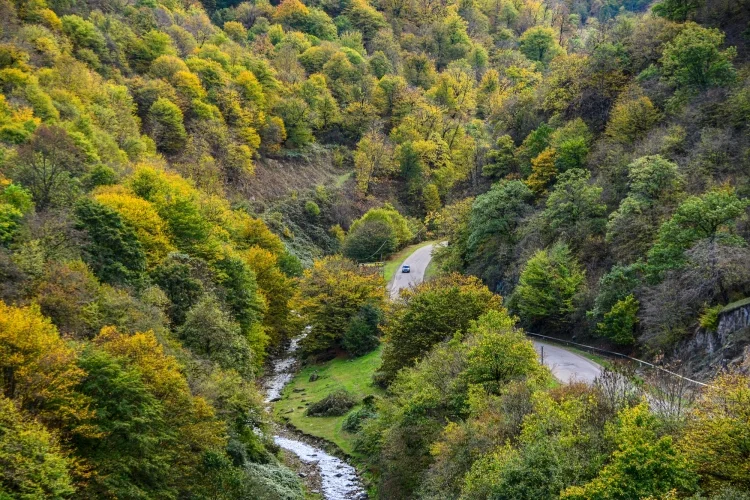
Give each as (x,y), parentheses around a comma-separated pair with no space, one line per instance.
(339,479)
(283,371)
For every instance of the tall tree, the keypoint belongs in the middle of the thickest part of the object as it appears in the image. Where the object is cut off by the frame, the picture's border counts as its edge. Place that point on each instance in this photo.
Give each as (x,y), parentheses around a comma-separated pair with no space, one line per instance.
(330,294)
(548,286)
(430,313)
(49,166)
(694,59)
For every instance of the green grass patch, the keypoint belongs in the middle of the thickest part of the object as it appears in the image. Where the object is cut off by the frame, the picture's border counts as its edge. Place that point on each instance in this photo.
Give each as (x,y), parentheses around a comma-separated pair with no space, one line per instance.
(352,375)
(394,263)
(596,358)
(341,179)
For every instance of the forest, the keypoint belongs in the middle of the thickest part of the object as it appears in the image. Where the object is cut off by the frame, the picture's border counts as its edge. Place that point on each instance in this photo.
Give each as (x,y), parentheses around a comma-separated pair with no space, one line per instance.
(189,186)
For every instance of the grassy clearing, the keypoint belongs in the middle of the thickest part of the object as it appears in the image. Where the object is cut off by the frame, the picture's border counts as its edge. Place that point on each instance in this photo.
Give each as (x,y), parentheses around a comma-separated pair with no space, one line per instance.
(397,258)
(353,375)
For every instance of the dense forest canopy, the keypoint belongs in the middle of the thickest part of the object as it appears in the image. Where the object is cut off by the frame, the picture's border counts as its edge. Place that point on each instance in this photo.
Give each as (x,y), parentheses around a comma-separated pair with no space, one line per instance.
(185,186)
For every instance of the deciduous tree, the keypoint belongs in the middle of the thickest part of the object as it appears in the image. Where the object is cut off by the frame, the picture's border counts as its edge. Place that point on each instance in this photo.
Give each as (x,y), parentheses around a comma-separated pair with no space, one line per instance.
(330,294)
(428,314)
(548,286)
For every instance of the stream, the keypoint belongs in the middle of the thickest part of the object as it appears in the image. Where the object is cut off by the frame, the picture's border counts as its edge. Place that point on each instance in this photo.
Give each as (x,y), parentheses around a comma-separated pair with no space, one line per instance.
(339,479)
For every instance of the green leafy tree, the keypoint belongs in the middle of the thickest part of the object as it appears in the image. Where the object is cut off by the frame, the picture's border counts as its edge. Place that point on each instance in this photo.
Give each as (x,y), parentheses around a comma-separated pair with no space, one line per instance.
(676,10)
(33,462)
(83,33)
(615,286)
(365,18)
(498,211)
(430,313)
(198,433)
(501,159)
(711,216)
(548,286)
(112,250)
(362,336)
(654,188)
(167,128)
(643,466)
(498,353)
(716,431)
(539,44)
(330,294)
(296,116)
(392,217)
(574,211)
(15,201)
(451,39)
(694,59)
(240,294)
(490,231)
(211,332)
(49,166)
(130,451)
(571,154)
(175,276)
(151,46)
(372,240)
(619,323)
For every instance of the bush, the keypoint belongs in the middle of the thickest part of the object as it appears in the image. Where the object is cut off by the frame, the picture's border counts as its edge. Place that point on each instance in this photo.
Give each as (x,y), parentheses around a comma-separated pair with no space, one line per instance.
(312,208)
(353,422)
(709,319)
(273,481)
(334,405)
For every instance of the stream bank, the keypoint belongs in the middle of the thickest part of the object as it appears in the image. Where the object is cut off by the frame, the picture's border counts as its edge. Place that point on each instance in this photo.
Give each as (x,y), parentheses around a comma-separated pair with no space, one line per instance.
(338,479)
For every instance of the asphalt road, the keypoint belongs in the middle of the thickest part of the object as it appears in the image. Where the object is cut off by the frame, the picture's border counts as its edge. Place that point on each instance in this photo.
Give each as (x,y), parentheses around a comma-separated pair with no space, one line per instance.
(565,365)
(568,366)
(418,262)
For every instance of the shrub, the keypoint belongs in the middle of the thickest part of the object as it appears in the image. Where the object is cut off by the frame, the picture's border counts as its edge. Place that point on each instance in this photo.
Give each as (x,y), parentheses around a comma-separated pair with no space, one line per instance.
(353,422)
(709,319)
(273,481)
(312,208)
(335,404)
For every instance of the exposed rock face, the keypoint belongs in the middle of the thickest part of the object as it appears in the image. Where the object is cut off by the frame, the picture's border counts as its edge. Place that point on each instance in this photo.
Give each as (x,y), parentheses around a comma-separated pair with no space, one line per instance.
(733,320)
(706,353)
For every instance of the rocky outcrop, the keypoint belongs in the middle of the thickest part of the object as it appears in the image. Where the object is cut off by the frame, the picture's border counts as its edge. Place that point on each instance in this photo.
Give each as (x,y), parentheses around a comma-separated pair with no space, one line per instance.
(707,352)
(732,319)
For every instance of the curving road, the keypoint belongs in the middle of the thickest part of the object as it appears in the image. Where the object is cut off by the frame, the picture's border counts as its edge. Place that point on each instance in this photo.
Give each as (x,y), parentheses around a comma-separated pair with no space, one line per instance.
(418,262)
(565,365)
